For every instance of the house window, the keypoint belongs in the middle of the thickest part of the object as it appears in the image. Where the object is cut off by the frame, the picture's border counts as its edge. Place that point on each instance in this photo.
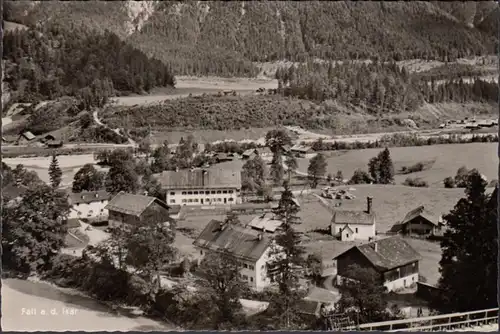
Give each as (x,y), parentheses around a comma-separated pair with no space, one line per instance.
(79,213)
(207,192)
(219,192)
(347,235)
(183,200)
(230,191)
(213,191)
(172,193)
(172,201)
(263,267)
(196,193)
(356,230)
(230,199)
(245,277)
(190,192)
(251,267)
(219,199)
(196,200)
(190,200)
(251,279)
(207,199)
(184,193)
(201,252)
(224,191)
(245,265)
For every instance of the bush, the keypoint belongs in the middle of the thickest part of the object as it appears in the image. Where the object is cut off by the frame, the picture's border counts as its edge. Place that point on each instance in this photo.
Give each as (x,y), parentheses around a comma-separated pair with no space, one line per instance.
(415,182)
(360,177)
(418,167)
(449,182)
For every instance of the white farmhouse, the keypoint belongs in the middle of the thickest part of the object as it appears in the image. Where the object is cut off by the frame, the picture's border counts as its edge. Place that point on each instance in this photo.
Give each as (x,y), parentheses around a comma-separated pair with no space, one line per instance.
(201,187)
(248,246)
(350,225)
(89,204)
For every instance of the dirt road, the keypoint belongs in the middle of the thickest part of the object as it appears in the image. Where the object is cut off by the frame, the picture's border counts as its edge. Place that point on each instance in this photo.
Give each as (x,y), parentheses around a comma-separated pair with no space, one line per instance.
(37,306)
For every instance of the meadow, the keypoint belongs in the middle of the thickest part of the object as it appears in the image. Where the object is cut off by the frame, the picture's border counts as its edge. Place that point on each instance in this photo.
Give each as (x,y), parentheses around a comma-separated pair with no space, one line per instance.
(446,160)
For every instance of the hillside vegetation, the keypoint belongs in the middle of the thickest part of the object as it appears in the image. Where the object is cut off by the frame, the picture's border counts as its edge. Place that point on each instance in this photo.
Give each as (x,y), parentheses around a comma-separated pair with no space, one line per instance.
(224,38)
(48,63)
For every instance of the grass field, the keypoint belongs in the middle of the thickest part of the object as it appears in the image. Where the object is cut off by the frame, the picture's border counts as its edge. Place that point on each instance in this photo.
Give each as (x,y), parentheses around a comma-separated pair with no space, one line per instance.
(70,164)
(447,159)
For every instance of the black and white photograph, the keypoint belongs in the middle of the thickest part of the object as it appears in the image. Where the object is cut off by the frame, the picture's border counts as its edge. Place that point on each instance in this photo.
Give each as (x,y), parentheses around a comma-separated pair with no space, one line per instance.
(250,166)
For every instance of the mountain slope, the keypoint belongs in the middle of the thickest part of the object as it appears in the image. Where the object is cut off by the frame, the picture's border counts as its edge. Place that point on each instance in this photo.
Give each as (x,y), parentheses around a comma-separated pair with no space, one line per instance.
(224,38)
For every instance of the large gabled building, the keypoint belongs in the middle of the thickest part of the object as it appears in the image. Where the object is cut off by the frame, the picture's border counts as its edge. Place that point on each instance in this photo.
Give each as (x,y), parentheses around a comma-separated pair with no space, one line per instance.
(392,258)
(201,186)
(133,209)
(249,247)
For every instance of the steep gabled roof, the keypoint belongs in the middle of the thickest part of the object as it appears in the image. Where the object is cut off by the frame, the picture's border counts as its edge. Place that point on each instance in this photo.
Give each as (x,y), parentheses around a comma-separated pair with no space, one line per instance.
(353,217)
(249,152)
(420,211)
(241,242)
(131,204)
(390,253)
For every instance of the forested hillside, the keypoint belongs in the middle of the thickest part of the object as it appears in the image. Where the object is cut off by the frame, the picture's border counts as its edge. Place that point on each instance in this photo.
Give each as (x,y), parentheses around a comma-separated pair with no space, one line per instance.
(53,61)
(379,88)
(224,38)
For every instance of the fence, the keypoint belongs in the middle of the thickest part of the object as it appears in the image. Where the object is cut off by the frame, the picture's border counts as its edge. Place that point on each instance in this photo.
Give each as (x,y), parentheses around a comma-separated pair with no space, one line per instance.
(443,322)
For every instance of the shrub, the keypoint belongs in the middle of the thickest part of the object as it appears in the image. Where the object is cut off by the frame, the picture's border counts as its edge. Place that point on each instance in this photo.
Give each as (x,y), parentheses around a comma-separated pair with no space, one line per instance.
(418,167)
(360,177)
(449,182)
(415,182)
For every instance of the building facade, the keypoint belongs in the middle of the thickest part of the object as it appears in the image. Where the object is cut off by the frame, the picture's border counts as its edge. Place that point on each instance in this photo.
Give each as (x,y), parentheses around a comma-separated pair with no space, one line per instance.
(89,205)
(350,225)
(393,259)
(419,222)
(201,187)
(251,249)
(130,209)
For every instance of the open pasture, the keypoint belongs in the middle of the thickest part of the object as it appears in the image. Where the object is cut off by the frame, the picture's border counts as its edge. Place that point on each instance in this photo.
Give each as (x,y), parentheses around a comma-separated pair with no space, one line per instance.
(447,159)
(70,164)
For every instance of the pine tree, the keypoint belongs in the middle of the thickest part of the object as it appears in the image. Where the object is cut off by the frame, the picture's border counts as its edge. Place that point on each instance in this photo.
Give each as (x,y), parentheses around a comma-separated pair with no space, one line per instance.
(55,172)
(291,165)
(469,259)
(386,172)
(287,255)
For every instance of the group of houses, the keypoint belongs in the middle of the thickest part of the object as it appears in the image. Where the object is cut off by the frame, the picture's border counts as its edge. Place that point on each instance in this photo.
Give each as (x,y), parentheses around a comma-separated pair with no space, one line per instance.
(27,137)
(299,151)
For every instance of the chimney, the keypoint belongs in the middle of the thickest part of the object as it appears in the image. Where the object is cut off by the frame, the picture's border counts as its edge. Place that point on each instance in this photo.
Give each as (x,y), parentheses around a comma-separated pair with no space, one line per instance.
(203,173)
(369,204)
(259,236)
(96,195)
(375,246)
(176,169)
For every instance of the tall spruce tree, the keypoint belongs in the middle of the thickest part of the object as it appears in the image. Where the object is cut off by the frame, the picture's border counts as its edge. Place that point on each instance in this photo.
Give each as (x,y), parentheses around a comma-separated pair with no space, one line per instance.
(277,170)
(287,259)
(386,172)
(55,172)
(469,260)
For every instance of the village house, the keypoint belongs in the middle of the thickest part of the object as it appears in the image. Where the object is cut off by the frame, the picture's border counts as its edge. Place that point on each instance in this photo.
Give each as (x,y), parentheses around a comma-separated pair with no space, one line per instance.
(133,209)
(27,136)
(249,247)
(224,157)
(266,222)
(249,154)
(419,222)
(303,151)
(201,186)
(89,205)
(392,258)
(350,225)
(318,300)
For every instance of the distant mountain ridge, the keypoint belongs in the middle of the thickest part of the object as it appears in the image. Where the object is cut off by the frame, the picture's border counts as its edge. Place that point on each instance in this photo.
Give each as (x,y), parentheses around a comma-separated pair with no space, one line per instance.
(225,38)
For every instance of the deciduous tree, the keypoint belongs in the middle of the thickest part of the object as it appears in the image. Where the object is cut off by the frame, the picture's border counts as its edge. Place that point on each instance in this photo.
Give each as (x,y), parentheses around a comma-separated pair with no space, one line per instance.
(88,178)
(316,169)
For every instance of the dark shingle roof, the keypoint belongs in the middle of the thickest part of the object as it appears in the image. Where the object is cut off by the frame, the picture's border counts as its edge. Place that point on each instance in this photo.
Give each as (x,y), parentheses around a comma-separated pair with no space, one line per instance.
(391,253)
(420,211)
(353,217)
(88,197)
(131,204)
(253,206)
(241,242)
(197,179)
(322,295)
